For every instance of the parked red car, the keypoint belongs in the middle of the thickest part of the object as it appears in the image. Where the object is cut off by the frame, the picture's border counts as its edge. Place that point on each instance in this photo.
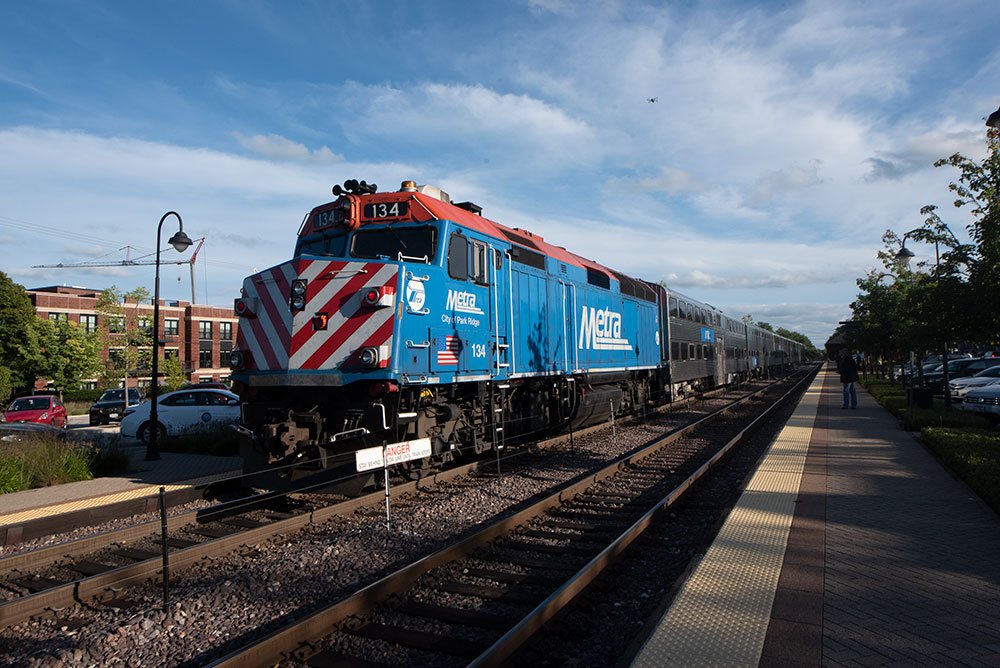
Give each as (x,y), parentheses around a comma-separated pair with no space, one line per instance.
(40,408)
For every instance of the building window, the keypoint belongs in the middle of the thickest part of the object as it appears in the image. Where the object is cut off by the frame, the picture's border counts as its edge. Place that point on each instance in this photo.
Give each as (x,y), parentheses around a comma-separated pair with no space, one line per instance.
(88,322)
(59,316)
(226,331)
(171,326)
(205,355)
(205,330)
(116,324)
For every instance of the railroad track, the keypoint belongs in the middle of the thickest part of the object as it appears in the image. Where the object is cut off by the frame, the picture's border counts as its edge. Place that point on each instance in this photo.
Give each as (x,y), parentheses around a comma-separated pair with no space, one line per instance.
(100,569)
(478,601)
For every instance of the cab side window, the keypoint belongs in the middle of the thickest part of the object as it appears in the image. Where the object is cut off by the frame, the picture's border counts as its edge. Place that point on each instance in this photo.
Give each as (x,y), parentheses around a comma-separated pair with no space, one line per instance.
(479,263)
(458,257)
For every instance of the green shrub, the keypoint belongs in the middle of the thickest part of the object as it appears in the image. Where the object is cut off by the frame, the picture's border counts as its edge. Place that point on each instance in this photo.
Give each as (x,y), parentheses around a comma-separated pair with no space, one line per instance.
(42,460)
(974,454)
(84,396)
(12,475)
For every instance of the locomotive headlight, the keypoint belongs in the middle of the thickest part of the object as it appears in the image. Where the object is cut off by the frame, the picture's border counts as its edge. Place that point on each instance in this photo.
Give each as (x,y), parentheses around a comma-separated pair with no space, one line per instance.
(369,356)
(298,300)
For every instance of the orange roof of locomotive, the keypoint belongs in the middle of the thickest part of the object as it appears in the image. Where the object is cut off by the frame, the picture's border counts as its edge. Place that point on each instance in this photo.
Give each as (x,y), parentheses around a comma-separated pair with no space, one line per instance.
(432,208)
(440,209)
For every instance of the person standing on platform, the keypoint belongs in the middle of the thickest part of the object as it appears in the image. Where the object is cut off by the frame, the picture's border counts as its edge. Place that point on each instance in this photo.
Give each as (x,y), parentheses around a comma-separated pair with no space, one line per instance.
(848,369)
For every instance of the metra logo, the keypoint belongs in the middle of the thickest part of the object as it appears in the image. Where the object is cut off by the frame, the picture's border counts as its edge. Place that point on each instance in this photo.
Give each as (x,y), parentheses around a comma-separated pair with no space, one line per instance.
(602,330)
(463,302)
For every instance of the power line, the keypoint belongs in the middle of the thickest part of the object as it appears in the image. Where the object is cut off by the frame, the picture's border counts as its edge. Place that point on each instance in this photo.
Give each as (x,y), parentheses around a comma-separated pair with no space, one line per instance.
(114,246)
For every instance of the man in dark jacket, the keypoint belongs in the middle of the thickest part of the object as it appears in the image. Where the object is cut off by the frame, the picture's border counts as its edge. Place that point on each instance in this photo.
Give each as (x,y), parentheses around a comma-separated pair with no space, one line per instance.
(848,376)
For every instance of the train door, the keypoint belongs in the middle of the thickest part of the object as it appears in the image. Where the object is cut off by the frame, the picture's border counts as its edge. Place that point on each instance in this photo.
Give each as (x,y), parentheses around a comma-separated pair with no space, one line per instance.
(720,360)
(499,313)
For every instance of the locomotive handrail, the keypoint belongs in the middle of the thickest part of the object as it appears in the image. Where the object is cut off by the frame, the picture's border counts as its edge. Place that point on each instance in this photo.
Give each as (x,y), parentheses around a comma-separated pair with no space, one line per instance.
(422,344)
(422,279)
(402,258)
(420,312)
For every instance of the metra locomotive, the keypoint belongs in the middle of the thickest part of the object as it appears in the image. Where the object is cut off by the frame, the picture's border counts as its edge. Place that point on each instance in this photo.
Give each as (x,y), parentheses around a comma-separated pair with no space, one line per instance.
(405,318)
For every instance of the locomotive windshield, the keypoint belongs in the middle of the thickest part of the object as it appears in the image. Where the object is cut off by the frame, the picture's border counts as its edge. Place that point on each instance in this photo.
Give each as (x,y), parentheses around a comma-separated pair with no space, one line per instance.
(395,243)
(326,245)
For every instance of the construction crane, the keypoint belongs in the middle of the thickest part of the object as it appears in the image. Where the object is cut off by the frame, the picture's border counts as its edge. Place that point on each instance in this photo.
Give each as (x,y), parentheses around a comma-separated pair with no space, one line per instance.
(127,262)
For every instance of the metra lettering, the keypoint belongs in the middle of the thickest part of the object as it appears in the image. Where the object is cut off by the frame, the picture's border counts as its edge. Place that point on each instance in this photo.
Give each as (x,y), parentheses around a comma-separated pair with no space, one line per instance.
(602,330)
(464,302)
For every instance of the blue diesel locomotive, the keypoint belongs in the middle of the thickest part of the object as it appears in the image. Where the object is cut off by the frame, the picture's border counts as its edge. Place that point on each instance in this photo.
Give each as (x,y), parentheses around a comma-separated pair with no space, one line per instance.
(404,317)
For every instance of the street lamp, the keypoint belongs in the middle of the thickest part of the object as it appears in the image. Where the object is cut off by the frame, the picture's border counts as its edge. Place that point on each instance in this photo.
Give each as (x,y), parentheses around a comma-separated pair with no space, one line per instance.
(180,242)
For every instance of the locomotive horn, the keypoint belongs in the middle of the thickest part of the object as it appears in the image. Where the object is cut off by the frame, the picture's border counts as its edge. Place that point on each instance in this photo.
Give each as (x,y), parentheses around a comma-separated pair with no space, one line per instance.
(338,191)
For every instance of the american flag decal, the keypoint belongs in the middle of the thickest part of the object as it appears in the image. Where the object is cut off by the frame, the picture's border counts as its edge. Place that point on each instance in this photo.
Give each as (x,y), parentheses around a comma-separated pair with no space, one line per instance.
(448,348)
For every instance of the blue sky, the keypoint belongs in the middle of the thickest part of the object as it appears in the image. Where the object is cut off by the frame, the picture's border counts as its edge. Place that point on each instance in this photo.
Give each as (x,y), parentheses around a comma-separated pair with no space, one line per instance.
(784,139)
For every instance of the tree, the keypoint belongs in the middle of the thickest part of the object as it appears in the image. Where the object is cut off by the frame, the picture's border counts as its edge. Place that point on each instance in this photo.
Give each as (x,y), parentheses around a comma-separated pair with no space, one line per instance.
(69,354)
(956,299)
(812,352)
(126,333)
(174,376)
(18,343)
(970,273)
(765,325)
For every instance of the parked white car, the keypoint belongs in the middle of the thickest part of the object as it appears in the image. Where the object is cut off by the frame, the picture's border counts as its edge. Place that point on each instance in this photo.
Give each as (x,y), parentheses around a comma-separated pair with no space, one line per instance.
(983,400)
(183,412)
(961,386)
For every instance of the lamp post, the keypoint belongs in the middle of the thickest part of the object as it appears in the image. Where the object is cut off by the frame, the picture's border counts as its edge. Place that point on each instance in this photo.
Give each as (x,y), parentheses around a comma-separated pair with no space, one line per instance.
(904,256)
(180,242)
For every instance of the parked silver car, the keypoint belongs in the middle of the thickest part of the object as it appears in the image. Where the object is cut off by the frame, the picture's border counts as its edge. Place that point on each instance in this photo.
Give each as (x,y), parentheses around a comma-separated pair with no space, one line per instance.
(984,401)
(961,386)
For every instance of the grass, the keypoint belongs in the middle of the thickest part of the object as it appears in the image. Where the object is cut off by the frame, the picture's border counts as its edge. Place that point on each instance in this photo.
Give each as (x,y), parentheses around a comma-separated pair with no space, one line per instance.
(893,397)
(43,460)
(78,407)
(973,454)
(966,443)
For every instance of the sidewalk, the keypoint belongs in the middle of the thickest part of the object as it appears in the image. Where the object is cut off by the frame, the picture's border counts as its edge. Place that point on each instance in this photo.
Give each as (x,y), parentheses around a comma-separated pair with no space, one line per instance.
(882,557)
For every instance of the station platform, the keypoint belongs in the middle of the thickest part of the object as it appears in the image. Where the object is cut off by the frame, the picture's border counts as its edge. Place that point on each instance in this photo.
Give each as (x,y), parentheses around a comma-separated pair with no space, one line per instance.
(851,546)
(172,471)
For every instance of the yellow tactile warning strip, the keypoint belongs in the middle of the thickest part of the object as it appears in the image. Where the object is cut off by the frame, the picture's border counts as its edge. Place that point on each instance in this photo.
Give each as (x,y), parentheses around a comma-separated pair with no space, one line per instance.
(128,495)
(720,616)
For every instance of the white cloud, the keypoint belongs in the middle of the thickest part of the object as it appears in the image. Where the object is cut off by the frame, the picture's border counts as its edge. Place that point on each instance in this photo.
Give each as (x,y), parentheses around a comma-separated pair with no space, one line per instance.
(277,147)
(511,128)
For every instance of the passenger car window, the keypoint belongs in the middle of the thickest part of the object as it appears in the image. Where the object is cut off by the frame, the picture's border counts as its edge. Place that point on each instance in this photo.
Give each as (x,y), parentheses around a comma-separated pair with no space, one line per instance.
(458,257)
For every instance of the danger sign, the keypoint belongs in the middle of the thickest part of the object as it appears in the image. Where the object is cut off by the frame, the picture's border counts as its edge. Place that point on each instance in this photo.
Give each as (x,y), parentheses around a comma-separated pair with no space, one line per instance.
(372,458)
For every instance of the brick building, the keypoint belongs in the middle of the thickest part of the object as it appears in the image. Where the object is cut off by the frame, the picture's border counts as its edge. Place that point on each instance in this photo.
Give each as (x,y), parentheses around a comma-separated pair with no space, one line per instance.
(201,336)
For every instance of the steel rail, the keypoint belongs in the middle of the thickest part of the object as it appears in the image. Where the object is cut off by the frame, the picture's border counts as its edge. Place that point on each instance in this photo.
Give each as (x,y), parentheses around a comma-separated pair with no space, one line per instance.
(294,640)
